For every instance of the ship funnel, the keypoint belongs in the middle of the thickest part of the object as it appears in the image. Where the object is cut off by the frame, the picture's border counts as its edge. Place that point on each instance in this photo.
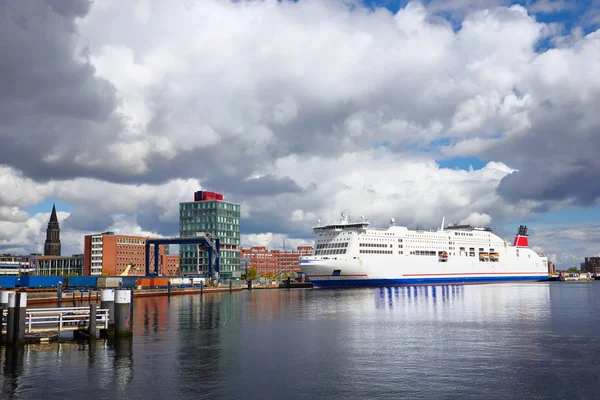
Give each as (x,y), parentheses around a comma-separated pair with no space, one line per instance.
(522,239)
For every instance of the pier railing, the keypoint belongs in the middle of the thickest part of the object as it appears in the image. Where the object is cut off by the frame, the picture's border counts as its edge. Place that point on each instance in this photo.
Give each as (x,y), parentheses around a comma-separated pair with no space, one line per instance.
(60,319)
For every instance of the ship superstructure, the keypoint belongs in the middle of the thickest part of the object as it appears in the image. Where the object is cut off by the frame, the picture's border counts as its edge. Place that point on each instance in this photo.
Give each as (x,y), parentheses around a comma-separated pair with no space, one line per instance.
(348,253)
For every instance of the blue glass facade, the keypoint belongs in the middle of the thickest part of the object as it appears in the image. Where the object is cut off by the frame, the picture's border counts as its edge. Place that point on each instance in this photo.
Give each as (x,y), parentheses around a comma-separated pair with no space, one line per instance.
(221,219)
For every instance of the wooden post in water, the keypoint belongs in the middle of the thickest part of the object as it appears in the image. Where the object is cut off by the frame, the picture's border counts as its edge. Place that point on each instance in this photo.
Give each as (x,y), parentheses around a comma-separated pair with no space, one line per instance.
(123,325)
(230,285)
(169,288)
(59,292)
(92,324)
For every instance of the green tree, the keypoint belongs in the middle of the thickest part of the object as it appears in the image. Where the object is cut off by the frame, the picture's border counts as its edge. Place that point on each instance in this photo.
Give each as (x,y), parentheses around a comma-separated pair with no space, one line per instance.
(573,270)
(251,274)
(269,276)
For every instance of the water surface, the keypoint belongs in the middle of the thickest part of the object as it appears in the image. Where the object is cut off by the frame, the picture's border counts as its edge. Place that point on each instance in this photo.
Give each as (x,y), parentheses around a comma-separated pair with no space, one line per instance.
(530,340)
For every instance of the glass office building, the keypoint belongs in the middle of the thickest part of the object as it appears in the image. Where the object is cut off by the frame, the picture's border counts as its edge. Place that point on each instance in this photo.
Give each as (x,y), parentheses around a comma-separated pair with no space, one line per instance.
(210,213)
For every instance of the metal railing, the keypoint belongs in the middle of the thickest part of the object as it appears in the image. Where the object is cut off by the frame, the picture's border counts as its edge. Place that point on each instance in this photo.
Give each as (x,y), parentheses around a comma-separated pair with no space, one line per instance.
(60,319)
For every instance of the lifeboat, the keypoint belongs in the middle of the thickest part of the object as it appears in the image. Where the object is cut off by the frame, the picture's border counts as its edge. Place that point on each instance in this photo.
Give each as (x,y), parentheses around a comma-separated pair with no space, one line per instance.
(494,256)
(484,256)
(443,256)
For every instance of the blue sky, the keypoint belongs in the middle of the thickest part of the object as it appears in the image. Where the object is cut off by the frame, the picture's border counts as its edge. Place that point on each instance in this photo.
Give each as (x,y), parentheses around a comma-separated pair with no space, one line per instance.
(576,13)
(46,207)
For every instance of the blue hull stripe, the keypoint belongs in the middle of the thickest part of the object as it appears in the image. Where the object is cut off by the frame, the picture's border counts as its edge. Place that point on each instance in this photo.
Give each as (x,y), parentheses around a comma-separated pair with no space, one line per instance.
(423,281)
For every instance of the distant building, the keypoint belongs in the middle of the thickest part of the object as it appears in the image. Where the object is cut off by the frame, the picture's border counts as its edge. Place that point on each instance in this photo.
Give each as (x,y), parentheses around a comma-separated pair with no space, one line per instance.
(110,254)
(210,213)
(52,243)
(591,265)
(59,265)
(269,262)
(17,265)
(170,264)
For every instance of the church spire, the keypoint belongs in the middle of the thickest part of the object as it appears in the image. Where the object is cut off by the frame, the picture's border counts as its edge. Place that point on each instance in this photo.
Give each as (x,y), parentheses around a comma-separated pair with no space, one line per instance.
(52,244)
(53,217)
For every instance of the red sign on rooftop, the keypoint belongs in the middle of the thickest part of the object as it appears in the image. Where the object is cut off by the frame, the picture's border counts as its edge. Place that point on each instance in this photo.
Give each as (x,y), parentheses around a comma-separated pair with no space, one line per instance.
(203,195)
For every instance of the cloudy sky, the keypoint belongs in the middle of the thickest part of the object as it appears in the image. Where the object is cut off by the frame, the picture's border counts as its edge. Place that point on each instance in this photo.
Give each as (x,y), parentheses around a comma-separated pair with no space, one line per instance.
(482,111)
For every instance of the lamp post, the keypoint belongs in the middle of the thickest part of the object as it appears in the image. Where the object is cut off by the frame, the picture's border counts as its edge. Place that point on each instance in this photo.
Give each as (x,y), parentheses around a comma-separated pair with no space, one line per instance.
(35,257)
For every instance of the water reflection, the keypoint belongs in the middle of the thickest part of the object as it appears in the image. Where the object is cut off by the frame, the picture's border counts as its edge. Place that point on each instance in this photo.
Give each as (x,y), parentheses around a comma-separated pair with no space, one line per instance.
(12,370)
(388,297)
(462,340)
(122,365)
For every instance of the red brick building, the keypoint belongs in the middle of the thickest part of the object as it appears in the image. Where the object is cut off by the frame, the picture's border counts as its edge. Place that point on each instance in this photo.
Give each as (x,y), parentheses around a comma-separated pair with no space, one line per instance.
(269,262)
(170,264)
(591,265)
(110,254)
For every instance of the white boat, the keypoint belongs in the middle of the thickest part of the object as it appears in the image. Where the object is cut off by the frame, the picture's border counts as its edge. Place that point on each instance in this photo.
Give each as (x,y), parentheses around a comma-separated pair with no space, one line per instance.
(350,253)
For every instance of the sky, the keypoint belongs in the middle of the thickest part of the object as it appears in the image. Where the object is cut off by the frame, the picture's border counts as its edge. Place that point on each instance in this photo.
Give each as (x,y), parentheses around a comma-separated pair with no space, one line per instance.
(481,111)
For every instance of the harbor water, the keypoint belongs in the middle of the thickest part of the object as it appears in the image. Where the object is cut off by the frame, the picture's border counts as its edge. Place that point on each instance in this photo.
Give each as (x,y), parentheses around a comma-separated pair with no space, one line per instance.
(499,341)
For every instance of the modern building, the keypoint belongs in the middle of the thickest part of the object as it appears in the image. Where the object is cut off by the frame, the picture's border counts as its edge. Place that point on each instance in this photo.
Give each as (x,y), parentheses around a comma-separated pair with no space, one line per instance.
(209,212)
(271,262)
(54,265)
(591,265)
(109,254)
(52,243)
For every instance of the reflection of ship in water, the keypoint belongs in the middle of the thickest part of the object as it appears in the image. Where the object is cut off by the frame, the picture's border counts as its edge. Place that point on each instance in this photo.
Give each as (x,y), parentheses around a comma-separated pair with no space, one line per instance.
(390,296)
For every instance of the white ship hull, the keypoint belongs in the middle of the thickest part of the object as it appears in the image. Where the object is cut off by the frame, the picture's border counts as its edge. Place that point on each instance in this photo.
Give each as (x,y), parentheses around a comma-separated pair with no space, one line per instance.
(355,255)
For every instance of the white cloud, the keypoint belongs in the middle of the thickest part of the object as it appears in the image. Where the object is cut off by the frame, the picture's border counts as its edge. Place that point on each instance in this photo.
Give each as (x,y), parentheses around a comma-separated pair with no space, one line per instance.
(273,241)
(341,102)
(477,219)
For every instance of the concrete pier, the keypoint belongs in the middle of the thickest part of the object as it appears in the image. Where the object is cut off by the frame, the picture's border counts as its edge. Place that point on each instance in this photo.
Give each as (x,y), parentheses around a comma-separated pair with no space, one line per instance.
(107,301)
(123,325)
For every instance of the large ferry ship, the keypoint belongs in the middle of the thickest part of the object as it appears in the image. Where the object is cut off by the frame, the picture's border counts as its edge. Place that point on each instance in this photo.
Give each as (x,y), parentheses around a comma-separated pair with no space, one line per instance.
(351,253)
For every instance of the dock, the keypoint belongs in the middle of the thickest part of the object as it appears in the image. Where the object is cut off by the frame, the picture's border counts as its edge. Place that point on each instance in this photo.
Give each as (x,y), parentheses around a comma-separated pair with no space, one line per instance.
(47,324)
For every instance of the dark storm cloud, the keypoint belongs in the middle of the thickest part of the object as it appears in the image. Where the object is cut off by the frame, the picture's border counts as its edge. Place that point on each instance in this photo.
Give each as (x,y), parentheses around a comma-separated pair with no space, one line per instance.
(70,8)
(50,100)
(149,220)
(268,185)
(579,182)
(87,219)
(558,159)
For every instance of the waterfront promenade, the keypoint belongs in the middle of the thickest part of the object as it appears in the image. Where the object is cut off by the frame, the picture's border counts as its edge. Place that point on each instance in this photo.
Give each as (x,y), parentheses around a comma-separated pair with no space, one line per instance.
(517,341)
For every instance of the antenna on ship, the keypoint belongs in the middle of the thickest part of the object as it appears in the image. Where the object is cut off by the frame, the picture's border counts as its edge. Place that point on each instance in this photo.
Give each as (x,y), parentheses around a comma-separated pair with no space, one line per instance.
(392,222)
(443,221)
